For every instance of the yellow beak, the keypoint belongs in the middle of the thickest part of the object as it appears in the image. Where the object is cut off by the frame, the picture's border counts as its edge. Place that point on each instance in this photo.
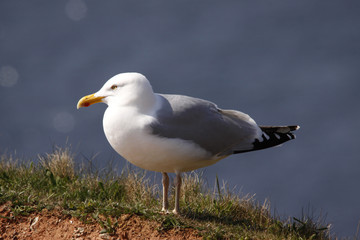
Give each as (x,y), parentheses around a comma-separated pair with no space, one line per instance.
(88,100)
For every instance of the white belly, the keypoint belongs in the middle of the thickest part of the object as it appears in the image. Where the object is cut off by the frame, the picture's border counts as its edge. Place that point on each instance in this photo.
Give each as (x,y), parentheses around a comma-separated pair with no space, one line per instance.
(136,144)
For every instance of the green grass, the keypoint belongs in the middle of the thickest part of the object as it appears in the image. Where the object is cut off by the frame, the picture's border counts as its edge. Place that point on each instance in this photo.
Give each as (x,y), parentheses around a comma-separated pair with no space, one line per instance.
(56,183)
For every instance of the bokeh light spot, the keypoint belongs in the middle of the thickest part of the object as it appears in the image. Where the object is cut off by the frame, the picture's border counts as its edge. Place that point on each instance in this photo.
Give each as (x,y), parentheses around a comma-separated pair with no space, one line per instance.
(76,9)
(63,122)
(8,76)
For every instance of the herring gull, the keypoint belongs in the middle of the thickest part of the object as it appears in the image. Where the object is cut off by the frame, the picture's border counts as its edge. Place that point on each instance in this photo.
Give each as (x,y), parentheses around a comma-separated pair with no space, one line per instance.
(175,133)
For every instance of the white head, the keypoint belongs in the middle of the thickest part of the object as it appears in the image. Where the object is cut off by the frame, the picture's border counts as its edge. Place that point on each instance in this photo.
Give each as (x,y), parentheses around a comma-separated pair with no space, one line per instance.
(124,89)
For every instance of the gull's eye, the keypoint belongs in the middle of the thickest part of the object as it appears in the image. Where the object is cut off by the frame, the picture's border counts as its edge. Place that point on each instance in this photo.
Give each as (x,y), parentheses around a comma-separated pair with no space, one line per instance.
(113,87)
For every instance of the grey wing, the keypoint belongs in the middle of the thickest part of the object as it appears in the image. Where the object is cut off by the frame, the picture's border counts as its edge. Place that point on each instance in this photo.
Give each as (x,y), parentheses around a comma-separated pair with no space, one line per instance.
(220,132)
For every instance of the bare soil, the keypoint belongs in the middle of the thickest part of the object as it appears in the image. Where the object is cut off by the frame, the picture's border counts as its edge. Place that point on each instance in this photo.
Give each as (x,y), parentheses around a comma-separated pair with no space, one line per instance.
(54,225)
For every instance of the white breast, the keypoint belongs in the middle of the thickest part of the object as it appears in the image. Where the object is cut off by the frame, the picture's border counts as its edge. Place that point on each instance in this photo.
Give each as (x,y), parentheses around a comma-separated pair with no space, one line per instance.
(127,132)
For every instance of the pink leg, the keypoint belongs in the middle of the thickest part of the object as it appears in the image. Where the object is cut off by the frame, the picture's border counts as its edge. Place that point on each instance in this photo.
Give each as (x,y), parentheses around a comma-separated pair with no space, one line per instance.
(165,183)
(177,192)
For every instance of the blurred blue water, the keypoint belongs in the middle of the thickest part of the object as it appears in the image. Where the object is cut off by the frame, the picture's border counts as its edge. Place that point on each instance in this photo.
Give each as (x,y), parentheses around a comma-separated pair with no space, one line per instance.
(284,62)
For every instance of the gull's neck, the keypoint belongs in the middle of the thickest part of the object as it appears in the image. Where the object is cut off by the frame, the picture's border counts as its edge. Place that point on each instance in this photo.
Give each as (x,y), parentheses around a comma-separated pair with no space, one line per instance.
(147,103)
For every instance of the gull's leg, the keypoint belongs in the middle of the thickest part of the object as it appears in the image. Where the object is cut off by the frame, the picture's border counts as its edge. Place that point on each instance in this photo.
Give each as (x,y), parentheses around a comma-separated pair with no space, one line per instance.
(177,192)
(165,183)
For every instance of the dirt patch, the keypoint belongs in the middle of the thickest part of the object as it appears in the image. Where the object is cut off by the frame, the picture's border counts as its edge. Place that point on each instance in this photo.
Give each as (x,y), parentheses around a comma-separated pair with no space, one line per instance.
(54,225)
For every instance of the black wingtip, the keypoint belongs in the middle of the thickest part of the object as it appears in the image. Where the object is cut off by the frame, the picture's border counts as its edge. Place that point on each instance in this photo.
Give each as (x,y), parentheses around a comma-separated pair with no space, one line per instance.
(294,127)
(279,129)
(272,136)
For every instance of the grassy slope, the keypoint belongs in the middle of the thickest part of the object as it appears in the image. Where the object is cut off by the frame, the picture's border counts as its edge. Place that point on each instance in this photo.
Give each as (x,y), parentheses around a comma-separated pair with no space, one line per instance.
(54,183)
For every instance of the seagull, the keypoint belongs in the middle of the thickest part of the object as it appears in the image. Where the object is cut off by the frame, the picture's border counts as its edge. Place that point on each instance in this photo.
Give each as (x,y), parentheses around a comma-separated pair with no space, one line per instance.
(175,133)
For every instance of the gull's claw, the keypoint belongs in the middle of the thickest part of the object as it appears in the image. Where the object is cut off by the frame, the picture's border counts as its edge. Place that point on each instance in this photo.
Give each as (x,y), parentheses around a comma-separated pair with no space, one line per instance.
(165,211)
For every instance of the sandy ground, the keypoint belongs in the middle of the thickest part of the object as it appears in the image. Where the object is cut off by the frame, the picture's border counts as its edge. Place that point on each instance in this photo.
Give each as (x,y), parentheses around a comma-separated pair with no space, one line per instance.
(54,225)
